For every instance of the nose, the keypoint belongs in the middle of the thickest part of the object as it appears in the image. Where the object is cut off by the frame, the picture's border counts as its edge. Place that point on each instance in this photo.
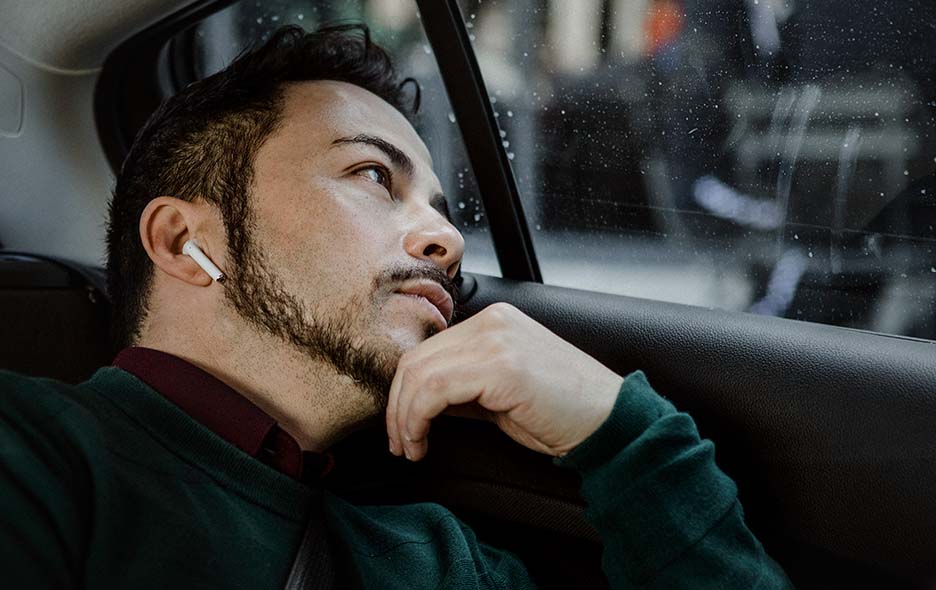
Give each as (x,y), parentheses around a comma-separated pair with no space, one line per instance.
(436,240)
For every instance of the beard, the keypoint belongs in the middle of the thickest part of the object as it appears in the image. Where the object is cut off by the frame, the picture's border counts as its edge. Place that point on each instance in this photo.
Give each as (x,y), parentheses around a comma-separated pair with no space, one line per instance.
(340,338)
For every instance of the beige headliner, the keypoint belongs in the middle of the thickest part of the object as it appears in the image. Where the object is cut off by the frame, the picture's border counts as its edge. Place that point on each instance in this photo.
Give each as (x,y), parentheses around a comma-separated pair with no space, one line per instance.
(74,36)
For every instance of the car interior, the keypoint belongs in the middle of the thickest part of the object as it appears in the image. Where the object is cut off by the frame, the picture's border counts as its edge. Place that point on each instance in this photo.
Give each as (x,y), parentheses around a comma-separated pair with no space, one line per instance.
(819,392)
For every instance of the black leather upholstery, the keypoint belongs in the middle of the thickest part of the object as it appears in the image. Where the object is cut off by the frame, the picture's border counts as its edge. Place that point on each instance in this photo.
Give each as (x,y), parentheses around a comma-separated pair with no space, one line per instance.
(55,317)
(829,432)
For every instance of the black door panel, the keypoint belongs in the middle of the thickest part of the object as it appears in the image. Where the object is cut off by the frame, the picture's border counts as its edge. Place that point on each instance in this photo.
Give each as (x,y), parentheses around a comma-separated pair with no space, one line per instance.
(830,433)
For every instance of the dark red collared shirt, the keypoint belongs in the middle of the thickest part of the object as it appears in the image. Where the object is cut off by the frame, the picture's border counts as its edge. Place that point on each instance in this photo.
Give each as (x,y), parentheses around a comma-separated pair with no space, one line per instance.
(224,411)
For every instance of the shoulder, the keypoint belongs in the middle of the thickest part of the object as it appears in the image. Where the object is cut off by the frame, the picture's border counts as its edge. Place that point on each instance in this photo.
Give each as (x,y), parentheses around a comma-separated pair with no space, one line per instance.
(47,416)
(39,398)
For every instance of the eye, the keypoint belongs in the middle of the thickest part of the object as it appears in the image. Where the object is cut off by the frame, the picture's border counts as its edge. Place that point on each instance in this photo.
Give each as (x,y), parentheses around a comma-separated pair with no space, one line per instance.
(377,174)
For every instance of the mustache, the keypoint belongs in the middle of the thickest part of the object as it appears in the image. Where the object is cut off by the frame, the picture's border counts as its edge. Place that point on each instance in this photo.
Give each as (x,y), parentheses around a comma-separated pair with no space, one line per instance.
(431,272)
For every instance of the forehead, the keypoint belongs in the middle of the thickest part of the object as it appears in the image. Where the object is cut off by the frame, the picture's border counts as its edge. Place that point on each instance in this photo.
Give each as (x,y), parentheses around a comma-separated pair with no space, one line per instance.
(316,113)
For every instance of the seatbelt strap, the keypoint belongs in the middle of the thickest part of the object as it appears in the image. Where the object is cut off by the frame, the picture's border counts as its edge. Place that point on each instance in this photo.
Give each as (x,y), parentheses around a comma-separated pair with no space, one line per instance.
(314,566)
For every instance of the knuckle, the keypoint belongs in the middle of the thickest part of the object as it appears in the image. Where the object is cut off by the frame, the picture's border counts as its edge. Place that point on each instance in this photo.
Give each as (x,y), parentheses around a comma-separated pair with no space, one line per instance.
(436,382)
(411,374)
(497,314)
(406,360)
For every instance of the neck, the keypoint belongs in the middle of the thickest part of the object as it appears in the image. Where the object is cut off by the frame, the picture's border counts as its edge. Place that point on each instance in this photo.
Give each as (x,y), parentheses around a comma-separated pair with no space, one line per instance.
(307,397)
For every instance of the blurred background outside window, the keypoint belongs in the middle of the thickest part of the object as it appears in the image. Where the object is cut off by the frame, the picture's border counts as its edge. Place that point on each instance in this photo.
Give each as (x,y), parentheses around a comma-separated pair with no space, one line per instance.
(768,156)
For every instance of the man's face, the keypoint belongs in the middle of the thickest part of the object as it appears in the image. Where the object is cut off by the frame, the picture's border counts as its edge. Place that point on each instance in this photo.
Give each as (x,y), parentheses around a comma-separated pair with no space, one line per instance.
(345,213)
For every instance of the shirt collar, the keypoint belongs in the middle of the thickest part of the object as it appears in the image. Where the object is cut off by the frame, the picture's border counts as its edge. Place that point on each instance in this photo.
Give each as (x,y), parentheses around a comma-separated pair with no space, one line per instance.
(223,410)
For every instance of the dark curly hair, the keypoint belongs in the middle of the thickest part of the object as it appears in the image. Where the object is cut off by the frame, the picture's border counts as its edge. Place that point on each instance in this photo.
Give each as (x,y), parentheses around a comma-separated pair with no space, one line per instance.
(201,143)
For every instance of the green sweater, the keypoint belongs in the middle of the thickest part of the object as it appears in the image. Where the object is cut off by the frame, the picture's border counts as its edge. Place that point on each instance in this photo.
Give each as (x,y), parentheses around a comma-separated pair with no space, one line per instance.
(108,485)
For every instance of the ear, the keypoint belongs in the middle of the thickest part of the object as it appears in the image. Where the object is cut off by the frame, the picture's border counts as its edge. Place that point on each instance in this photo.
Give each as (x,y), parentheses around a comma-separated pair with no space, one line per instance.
(165,225)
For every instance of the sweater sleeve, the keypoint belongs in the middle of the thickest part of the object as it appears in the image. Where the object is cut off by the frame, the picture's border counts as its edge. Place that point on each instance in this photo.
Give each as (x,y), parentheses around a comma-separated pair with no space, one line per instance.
(41,516)
(667,515)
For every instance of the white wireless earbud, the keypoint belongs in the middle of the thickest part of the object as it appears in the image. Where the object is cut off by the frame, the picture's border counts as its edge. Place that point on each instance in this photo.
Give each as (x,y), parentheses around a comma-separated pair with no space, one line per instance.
(189,248)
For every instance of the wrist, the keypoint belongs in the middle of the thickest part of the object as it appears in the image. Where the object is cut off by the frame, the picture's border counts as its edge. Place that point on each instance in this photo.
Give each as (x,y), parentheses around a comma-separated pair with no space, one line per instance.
(635,408)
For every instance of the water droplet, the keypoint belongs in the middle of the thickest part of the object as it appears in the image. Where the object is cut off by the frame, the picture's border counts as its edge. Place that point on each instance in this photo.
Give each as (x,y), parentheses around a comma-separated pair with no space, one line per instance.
(539,227)
(461,204)
(503,133)
(510,155)
(477,217)
(562,111)
(810,254)
(300,16)
(274,18)
(451,117)
(505,143)
(510,113)
(259,20)
(427,49)
(795,236)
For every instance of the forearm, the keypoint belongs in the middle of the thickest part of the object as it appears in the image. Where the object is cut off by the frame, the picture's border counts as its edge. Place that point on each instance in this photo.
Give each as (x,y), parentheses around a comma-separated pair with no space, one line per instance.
(668,517)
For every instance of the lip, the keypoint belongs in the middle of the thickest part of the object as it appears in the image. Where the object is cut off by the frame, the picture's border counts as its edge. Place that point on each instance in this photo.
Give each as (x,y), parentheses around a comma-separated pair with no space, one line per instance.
(434,294)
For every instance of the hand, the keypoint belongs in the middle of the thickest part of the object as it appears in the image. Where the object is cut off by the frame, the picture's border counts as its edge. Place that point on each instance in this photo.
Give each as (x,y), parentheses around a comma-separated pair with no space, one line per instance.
(502,366)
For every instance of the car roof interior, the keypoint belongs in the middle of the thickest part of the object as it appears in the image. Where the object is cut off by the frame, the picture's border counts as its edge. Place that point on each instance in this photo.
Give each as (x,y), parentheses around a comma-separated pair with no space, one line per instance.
(828,431)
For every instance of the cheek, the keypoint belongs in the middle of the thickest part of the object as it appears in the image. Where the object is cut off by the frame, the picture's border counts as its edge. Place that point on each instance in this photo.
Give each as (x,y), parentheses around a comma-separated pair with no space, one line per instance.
(329,243)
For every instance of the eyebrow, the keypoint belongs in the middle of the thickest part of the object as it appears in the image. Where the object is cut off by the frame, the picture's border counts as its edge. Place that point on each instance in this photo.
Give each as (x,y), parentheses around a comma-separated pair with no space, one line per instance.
(401,161)
(396,155)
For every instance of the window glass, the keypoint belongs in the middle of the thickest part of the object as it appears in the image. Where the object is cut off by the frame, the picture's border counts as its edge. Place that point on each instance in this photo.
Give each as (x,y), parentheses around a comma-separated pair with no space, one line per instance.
(395,25)
(769,156)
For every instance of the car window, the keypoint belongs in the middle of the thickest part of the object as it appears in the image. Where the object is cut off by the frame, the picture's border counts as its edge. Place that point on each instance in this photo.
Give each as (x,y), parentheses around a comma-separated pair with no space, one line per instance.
(769,156)
(396,25)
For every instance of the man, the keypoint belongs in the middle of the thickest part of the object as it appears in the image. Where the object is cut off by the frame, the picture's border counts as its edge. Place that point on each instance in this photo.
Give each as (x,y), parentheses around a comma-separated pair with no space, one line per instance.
(195,460)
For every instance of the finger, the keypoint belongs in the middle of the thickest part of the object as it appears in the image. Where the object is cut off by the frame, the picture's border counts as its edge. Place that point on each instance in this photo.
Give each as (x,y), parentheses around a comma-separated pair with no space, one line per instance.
(427,398)
(393,398)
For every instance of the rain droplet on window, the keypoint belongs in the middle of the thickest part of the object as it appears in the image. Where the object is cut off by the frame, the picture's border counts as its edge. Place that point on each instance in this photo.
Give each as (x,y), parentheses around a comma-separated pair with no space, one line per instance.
(510,155)
(300,16)
(810,254)
(477,217)
(461,204)
(503,133)
(505,143)
(427,49)
(451,117)
(259,20)
(510,113)
(274,18)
